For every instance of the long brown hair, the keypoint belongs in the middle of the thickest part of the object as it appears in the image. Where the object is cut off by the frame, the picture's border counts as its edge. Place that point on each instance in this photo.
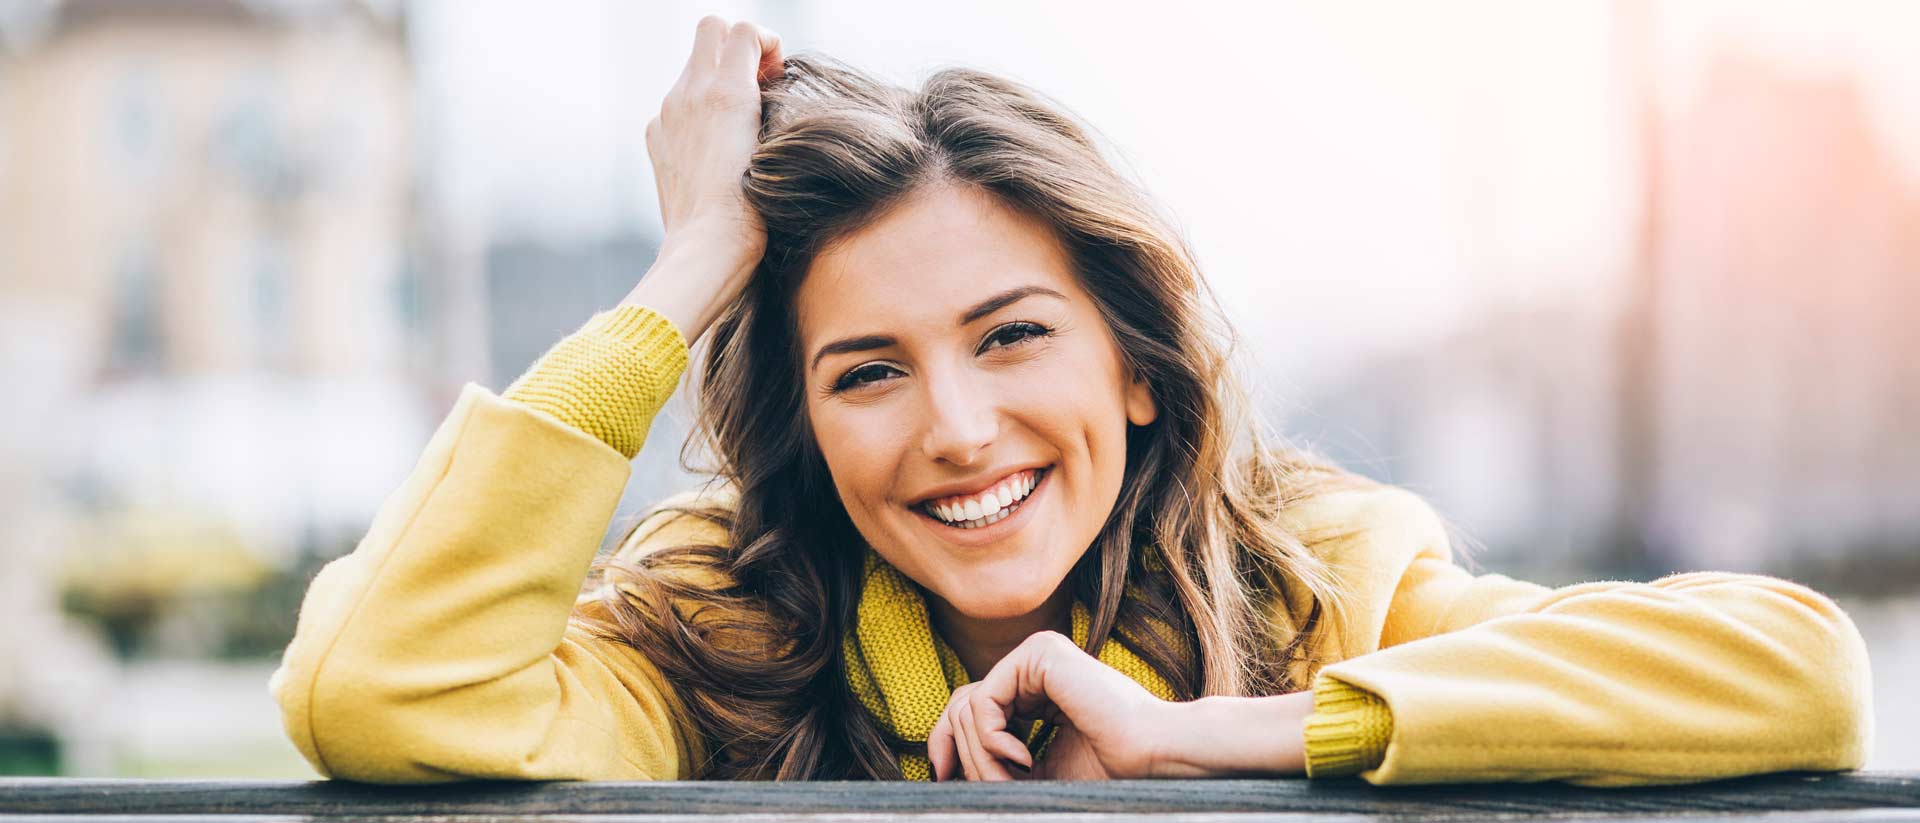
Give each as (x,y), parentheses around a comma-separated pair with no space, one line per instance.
(1186,570)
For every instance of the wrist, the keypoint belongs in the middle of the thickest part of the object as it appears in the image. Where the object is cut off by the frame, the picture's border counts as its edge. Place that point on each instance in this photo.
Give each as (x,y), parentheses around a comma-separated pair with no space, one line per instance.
(694,276)
(714,245)
(1349,731)
(1235,737)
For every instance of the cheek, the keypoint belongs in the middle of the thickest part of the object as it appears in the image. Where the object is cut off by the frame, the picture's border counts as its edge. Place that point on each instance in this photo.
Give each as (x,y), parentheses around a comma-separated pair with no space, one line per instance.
(1078,396)
(1075,412)
(1093,399)
(861,448)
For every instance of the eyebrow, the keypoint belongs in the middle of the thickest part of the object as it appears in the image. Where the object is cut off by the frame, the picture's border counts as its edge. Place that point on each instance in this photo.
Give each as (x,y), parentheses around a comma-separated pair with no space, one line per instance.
(985,307)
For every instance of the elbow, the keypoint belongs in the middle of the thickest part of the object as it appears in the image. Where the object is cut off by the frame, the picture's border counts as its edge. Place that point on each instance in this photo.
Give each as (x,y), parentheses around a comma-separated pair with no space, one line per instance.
(1848,688)
(1796,665)
(355,735)
(1835,694)
(288,690)
(371,728)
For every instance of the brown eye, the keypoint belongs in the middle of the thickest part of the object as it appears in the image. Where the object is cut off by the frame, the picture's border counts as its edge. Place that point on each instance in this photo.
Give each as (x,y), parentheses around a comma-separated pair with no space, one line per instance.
(869,373)
(1013,334)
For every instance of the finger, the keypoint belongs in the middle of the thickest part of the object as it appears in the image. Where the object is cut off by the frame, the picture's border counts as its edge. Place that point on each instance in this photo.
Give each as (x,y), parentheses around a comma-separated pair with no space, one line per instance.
(1008,682)
(708,34)
(960,724)
(963,726)
(985,765)
(962,756)
(1047,675)
(743,56)
(962,745)
(990,728)
(772,60)
(1009,750)
(940,748)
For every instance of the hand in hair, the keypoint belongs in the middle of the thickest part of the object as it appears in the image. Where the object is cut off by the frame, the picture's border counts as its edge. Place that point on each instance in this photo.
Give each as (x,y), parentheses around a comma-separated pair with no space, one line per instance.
(700,144)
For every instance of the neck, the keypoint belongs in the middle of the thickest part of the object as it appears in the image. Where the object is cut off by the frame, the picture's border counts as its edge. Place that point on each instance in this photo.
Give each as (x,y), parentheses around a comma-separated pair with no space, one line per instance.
(981,643)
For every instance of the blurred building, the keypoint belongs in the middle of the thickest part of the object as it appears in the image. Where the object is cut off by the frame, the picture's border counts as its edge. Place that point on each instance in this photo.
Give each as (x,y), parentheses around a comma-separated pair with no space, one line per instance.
(1507,425)
(1748,405)
(211,311)
(538,291)
(1789,360)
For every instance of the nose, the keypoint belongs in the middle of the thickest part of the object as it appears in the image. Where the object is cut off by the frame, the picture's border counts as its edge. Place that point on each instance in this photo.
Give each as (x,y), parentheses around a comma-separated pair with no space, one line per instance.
(961,419)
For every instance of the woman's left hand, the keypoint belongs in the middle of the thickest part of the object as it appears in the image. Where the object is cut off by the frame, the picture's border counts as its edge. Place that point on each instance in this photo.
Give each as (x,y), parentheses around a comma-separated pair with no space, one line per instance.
(1110,726)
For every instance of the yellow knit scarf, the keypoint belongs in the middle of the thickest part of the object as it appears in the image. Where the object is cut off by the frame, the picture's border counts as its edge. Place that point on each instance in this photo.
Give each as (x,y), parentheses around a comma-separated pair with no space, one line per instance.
(904,673)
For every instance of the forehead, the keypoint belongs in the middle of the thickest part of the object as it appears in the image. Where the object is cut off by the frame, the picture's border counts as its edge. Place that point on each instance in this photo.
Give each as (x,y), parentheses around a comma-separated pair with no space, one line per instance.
(943,249)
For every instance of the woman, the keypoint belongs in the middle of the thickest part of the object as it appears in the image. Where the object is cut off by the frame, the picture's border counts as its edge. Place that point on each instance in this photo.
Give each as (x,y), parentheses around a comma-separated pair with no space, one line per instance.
(988,506)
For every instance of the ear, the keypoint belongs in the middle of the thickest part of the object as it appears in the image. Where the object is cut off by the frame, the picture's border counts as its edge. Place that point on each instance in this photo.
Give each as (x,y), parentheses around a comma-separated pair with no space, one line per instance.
(1141,409)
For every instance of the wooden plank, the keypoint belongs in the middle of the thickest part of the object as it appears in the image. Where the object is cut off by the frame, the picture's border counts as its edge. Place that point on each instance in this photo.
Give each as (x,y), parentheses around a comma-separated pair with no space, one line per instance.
(1876,795)
(1854,816)
(1857,816)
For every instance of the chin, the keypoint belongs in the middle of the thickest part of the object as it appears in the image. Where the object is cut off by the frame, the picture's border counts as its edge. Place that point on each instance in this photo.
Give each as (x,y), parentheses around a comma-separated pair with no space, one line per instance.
(983,600)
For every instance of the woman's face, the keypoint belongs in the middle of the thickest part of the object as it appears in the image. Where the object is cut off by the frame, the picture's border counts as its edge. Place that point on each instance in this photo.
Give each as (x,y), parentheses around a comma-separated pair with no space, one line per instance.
(952,362)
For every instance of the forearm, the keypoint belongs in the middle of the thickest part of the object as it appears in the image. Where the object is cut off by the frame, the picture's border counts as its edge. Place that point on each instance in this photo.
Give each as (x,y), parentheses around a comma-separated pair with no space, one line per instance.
(680,284)
(1238,737)
(1691,677)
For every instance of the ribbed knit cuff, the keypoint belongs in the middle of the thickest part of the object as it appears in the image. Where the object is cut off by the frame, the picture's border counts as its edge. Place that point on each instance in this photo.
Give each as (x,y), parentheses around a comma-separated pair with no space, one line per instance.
(609,378)
(1348,730)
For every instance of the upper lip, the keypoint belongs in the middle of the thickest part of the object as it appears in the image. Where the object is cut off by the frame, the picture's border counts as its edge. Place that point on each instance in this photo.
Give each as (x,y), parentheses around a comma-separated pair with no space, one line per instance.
(980,483)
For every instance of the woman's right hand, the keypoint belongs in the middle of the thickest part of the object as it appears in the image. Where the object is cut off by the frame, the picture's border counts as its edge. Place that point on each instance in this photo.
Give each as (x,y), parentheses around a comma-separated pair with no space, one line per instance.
(700,143)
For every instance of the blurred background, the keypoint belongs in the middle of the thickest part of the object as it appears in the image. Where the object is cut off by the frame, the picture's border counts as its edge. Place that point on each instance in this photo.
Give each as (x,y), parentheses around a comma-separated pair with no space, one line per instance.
(1625,288)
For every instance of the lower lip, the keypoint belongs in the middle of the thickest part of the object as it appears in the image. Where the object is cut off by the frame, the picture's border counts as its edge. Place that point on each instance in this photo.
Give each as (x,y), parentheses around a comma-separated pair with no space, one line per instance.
(996,531)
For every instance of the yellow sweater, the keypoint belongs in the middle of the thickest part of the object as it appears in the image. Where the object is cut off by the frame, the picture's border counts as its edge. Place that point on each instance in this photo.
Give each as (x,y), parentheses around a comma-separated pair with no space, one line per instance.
(443,647)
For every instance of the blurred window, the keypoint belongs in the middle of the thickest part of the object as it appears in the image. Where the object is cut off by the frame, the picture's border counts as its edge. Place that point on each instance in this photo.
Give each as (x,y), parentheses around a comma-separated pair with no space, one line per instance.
(138,345)
(3,122)
(409,297)
(134,120)
(248,144)
(271,277)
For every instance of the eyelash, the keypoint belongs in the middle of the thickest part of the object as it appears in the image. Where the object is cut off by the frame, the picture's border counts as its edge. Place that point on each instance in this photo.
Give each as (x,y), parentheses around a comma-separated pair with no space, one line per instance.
(1033,331)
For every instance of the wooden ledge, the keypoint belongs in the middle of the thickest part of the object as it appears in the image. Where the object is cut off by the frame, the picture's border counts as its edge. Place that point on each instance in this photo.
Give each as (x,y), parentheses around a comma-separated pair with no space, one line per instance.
(1878,796)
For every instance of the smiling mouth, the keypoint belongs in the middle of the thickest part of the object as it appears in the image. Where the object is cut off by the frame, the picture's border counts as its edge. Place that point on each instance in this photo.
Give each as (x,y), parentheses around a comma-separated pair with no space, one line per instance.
(983,510)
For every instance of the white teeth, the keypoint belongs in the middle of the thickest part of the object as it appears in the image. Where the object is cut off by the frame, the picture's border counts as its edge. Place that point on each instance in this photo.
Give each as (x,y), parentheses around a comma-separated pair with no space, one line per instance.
(989,507)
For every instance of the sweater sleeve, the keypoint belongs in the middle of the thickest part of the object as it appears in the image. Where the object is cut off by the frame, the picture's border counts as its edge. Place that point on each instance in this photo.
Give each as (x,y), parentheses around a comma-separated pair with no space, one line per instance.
(1465,678)
(444,646)
(609,378)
